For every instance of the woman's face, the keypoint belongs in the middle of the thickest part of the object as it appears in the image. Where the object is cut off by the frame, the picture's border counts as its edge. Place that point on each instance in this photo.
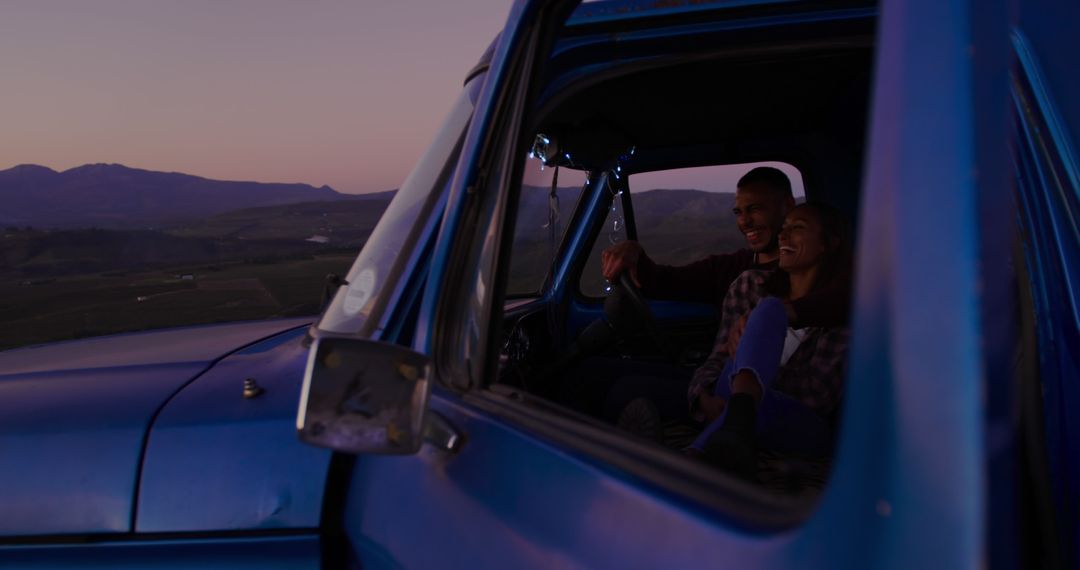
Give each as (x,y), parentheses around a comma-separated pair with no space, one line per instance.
(802,243)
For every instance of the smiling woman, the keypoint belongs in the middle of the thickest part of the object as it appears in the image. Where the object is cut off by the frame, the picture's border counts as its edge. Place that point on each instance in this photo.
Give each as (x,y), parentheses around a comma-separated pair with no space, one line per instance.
(782,384)
(815,235)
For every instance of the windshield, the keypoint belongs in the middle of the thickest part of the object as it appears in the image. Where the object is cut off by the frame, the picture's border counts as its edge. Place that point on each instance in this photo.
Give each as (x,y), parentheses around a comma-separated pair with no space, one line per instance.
(383,260)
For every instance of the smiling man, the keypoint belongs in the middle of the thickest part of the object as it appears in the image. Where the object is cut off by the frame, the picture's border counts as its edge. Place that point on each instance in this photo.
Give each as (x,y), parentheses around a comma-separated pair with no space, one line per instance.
(762,199)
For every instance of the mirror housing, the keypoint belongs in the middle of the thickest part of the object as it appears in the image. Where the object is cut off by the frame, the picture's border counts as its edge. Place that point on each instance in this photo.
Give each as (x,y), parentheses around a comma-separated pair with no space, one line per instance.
(363,396)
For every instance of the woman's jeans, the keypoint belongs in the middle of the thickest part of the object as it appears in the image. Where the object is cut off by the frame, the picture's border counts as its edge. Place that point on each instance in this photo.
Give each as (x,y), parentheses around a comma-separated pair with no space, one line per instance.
(783,423)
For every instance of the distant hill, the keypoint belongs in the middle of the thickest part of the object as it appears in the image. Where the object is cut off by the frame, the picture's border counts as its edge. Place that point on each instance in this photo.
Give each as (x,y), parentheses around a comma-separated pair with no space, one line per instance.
(117,197)
(675,226)
(340,222)
(680,226)
(533,211)
(387,195)
(677,218)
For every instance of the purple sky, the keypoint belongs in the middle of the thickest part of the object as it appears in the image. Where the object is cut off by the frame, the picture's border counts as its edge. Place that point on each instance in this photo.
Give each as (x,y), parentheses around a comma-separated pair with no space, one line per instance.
(340,92)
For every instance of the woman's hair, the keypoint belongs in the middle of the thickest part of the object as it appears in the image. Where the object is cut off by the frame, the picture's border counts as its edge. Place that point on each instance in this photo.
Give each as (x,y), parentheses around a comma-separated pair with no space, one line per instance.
(835,262)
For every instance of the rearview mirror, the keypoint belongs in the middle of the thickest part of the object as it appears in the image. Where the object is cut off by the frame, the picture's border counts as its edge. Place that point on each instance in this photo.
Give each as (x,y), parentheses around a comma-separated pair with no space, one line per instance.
(363,396)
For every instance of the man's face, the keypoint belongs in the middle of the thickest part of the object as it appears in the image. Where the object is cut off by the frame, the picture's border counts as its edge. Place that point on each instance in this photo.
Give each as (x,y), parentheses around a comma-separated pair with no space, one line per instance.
(759,213)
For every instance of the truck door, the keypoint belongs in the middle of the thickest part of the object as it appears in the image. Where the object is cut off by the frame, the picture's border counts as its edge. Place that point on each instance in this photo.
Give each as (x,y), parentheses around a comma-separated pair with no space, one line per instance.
(529,486)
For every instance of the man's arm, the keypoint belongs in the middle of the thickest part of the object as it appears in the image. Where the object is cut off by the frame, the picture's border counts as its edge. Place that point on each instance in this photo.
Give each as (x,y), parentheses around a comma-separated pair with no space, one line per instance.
(620,258)
(703,281)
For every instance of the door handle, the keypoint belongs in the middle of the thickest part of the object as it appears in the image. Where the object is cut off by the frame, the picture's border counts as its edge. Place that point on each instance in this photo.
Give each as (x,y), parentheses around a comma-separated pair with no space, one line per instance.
(439,432)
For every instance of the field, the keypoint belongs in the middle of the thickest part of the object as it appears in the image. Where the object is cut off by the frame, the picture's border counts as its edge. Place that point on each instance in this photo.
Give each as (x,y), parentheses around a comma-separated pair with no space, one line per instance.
(254,263)
(95,304)
(262,263)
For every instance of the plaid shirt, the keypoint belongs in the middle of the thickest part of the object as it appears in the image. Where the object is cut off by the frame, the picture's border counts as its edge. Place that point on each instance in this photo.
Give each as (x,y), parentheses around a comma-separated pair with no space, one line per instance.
(814,375)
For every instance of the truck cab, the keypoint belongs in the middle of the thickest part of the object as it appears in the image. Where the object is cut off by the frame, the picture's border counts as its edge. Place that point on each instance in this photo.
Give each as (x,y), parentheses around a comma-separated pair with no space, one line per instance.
(899,116)
(419,421)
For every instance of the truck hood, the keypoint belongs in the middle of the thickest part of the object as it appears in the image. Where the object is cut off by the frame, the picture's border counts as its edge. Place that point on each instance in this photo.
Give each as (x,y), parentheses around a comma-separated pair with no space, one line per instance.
(74,417)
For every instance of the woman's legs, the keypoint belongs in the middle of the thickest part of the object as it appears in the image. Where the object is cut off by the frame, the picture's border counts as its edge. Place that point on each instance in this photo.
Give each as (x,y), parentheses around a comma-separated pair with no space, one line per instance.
(762,343)
(782,422)
(759,349)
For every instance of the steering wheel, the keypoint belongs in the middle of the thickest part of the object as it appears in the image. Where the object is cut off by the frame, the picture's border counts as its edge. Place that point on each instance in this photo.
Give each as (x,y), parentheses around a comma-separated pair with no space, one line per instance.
(627,312)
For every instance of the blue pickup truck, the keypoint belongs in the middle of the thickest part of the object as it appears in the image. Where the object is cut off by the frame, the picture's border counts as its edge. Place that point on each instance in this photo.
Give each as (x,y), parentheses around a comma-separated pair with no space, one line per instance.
(412,424)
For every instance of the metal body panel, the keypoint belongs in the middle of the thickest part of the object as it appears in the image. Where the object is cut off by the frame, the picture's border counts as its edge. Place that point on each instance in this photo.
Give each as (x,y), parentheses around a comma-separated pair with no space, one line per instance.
(909,466)
(1050,30)
(216,460)
(202,343)
(1048,182)
(238,553)
(908,486)
(629,9)
(465,175)
(73,417)
(514,501)
(72,443)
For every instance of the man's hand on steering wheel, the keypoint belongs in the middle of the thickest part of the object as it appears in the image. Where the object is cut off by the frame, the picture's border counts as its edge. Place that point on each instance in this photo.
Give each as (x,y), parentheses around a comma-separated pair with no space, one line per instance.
(619,266)
(620,258)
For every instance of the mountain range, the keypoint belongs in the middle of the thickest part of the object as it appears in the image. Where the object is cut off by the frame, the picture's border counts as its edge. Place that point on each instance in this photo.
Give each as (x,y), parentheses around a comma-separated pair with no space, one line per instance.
(143,218)
(114,196)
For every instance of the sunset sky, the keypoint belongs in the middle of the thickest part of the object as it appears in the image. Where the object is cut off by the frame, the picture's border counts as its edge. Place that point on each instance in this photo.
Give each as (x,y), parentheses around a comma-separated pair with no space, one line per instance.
(340,92)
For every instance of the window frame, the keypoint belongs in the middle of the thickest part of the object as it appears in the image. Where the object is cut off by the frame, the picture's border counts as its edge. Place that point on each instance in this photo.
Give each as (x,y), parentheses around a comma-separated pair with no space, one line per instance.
(699,487)
(561,246)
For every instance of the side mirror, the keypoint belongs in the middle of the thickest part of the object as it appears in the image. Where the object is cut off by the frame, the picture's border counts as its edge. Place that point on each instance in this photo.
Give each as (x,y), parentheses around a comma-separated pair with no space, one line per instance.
(363,396)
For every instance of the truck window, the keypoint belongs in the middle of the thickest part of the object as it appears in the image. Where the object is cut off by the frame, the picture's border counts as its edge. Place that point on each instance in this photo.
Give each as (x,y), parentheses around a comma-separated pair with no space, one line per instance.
(542,219)
(681,215)
(684,215)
